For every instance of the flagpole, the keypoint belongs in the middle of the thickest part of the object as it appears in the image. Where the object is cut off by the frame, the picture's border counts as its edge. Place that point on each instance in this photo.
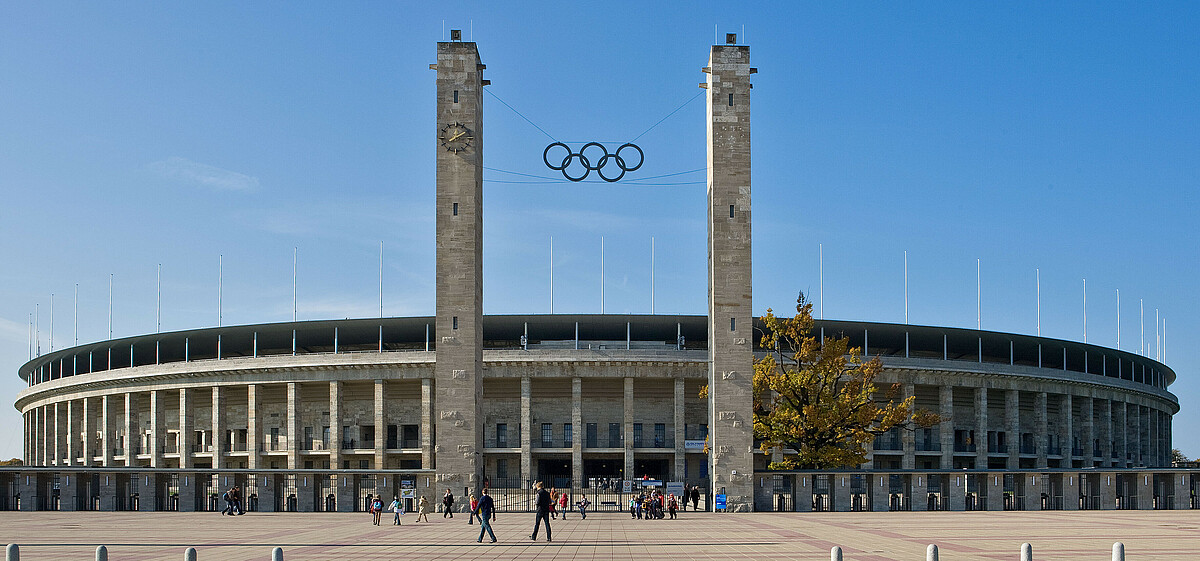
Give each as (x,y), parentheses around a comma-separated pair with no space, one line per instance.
(380,279)
(601,274)
(1039,302)
(220,289)
(906,286)
(821,278)
(978,295)
(294,250)
(51,322)
(110,282)
(651,275)
(1118,319)
(1084,310)
(76,314)
(158,302)
(551,275)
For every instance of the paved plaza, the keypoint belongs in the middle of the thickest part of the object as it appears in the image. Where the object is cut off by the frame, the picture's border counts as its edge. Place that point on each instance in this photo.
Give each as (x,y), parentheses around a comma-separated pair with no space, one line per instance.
(1148,535)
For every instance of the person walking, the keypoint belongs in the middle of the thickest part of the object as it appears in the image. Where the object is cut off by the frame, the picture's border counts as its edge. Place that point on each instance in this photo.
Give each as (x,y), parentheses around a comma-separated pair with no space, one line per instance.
(553,503)
(376,510)
(474,504)
(564,500)
(583,504)
(448,504)
(396,508)
(423,509)
(227,496)
(543,511)
(485,509)
(695,497)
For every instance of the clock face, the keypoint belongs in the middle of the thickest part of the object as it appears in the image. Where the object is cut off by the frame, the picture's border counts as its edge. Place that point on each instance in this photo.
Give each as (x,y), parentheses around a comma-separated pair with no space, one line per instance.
(456,137)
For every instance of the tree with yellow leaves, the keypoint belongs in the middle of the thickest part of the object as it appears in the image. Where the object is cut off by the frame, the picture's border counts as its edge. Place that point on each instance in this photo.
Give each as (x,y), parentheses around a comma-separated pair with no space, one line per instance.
(817,398)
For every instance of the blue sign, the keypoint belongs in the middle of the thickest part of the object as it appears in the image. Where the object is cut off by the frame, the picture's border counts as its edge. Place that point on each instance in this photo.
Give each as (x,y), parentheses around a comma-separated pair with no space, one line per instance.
(720,502)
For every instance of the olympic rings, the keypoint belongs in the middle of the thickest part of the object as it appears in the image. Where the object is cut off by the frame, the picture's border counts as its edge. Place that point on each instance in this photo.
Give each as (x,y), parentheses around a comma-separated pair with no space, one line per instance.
(602,161)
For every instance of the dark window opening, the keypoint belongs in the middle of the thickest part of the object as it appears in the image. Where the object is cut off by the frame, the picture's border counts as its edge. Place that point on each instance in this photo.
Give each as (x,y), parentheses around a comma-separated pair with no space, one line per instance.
(456,97)
(731,100)
(455,209)
(732,324)
(455,322)
(731,211)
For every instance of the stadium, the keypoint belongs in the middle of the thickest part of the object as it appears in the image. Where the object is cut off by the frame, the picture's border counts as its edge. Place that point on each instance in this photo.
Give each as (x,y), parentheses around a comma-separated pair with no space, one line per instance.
(320,415)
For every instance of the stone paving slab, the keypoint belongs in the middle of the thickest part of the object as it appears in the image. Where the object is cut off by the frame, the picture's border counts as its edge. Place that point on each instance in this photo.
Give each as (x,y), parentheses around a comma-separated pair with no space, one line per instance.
(863,536)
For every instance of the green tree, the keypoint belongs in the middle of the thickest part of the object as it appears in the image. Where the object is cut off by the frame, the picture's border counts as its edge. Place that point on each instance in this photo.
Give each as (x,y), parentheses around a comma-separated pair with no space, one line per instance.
(1177,456)
(819,397)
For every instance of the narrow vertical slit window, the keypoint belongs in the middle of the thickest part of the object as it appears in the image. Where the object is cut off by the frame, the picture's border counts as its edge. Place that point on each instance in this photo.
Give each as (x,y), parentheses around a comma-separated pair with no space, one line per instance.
(455,209)
(455,322)
(731,211)
(732,324)
(456,97)
(730,99)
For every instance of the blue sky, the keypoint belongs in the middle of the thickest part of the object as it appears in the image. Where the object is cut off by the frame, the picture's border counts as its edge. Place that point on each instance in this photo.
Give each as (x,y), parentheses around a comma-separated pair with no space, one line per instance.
(1063,137)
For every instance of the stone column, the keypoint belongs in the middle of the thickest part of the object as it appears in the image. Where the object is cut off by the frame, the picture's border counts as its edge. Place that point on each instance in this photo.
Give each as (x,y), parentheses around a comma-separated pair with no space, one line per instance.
(526,427)
(72,434)
(956,491)
(148,492)
(131,429)
(1108,490)
(578,433)
(158,428)
(106,435)
(426,424)
(730,317)
(1144,482)
(293,425)
(1155,457)
(1071,487)
(459,265)
(1136,424)
(907,440)
(68,489)
(1106,432)
(1033,490)
(981,428)
(627,428)
(803,492)
(1087,431)
(254,428)
(1066,414)
(946,429)
(1042,442)
(335,425)
(89,431)
(58,433)
(186,420)
(187,489)
(218,427)
(680,436)
(46,436)
(840,492)
(1012,417)
(918,496)
(994,485)
(1120,434)
(880,495)
(380,426)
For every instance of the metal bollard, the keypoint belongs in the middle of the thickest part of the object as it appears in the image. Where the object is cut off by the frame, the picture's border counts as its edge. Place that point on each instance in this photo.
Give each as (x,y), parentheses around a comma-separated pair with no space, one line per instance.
(277,554)
(189,554)
(1118,552)
(101,553)
(931,553)
(835,554)
(12,553)
(1026,552)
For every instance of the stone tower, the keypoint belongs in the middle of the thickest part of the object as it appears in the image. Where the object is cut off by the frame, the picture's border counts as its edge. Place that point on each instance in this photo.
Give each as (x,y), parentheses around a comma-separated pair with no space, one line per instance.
(730,320)
(458,373)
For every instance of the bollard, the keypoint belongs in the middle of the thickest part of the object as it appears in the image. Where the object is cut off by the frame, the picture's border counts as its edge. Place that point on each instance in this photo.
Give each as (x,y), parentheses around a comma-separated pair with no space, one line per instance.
(189,554)
(277,554)
(1118,552)
(835,554)
(1026,552)
(101,553)
(931,553)
(12,553)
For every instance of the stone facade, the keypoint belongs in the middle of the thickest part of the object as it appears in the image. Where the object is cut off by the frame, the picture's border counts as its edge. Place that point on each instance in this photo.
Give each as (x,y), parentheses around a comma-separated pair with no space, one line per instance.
(730,315)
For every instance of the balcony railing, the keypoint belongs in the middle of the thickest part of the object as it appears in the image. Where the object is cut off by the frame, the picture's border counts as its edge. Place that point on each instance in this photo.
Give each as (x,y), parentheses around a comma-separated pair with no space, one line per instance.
(997,448)
(887,444)
(928,446)
(961,447)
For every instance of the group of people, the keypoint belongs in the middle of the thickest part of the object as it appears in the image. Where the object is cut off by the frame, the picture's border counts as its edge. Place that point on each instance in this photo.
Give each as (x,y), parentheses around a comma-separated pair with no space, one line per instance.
(233,501)
(653,505)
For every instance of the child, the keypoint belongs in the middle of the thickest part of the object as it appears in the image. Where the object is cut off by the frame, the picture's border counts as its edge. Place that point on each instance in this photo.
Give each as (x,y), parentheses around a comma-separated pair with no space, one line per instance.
(563,501)
(583,504)
(474,505)
(396,508)
(376,510)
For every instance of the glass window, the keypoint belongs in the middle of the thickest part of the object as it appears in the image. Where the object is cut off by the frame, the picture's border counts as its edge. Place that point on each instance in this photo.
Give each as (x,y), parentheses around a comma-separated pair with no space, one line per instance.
(637,435)
(547,435)
(568,435)
(660,435)
(614,435)
(502,468)
(502,435)
(591,435)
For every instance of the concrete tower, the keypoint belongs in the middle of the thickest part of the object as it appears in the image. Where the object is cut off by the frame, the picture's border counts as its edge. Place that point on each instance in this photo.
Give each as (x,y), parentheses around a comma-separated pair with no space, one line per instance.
(730,320)
(458,374)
